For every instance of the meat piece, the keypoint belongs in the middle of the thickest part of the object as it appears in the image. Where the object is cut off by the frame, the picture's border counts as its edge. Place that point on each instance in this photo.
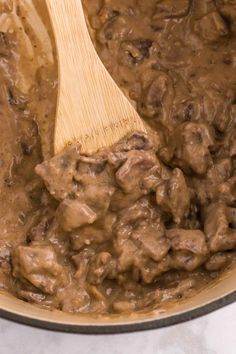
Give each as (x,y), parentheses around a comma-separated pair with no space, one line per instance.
(219,226)
(187,240)
(133,258)
(218,261)
(150,238)
(192,147)
(186,260)
(97,234)
(218,183)
(151,270)
(131,172)
(137,212)
(173,196)
(38,265)
(189,248)
(137,217)
(212,27)
(97,195)
(152,179)
(58,173)
(171,8)
(72,214)
(101,266)
(74,299)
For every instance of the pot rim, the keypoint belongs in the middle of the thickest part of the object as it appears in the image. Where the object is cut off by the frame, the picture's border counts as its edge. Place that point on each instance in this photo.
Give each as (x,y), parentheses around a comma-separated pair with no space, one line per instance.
(121,328)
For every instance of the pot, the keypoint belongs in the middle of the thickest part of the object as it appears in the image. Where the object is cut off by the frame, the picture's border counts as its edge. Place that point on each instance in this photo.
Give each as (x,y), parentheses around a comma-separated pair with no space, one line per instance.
(218,294)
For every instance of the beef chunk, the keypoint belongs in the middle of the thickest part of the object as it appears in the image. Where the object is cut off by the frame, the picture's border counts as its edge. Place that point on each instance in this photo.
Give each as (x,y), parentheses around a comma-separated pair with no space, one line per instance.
(131,172)
(173,196)
(38,265)
(139,211)
(97,196)
(218,261)
(151,270)
(73,214)
(217,184)
(188,240)
(220,223)
(95,234)
(152,179)
(212,27)
(186,260)
(58,173)
(139,250)
(189,248)
(150,238)
(192,147)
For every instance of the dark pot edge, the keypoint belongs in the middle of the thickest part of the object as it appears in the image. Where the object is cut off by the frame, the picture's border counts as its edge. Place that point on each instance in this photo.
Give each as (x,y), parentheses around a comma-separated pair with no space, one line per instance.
(122,328)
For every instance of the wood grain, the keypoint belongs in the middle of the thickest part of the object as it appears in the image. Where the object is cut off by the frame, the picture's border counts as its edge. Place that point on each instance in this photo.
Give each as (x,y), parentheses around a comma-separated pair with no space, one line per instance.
(91,109)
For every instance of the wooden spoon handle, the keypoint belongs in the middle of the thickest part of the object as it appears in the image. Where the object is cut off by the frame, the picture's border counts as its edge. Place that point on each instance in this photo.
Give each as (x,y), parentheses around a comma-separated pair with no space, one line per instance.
(91,108)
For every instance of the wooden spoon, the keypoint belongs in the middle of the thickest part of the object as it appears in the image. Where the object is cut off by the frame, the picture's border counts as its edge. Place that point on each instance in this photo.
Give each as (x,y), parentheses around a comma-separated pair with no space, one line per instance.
(91,108)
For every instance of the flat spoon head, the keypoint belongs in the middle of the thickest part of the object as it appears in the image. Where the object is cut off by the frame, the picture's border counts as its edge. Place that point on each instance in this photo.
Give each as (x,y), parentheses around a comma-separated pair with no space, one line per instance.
(91,110)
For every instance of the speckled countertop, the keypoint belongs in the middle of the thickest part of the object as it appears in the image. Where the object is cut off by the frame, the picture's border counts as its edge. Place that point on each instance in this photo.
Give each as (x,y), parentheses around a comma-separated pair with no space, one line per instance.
(211,334)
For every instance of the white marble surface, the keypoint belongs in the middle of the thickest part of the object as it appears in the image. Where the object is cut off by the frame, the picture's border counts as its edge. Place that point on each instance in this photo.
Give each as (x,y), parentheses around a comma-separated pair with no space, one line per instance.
(212,334)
